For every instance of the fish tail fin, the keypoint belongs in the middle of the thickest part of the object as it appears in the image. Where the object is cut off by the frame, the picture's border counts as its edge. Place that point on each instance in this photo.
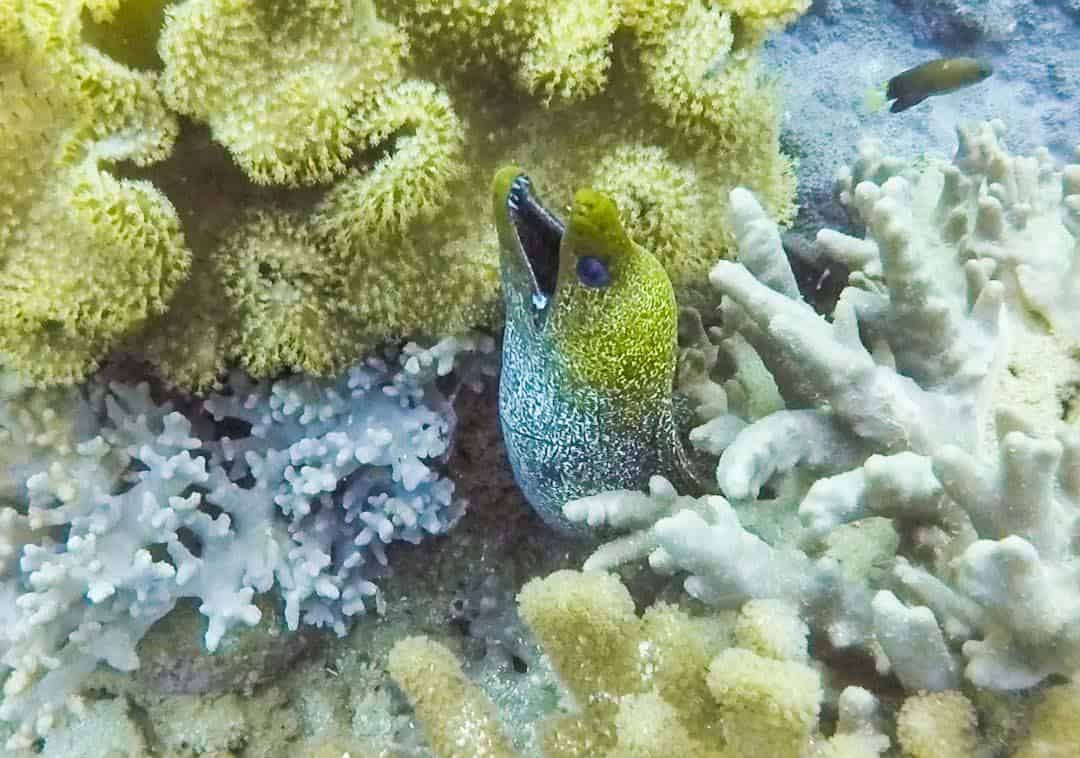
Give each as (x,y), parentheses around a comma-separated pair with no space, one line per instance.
(874,98)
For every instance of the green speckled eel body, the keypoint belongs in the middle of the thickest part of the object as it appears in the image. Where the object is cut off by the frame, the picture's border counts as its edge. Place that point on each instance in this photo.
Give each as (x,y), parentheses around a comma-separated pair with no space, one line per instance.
(585,394)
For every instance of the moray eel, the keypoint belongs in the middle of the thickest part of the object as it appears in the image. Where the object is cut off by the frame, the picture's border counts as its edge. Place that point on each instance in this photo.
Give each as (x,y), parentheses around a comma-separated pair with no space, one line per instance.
(589,353)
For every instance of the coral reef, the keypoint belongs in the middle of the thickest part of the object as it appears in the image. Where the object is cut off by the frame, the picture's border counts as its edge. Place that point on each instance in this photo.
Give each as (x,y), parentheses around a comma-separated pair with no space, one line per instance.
(120,506)
(933,397)
(330,175)
(86,256)
(248,196)
(661,683)
(338,694)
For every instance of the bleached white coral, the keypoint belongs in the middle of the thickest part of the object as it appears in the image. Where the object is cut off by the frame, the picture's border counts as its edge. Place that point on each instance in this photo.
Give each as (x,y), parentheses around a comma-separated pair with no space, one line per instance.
(934,396)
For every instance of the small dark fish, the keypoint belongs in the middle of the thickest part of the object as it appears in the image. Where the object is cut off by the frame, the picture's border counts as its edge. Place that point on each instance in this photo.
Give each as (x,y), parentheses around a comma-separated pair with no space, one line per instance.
(936,77)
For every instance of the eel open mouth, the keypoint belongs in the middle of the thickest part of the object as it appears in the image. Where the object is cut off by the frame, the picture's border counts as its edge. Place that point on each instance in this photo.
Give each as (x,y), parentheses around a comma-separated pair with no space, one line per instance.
(539,233)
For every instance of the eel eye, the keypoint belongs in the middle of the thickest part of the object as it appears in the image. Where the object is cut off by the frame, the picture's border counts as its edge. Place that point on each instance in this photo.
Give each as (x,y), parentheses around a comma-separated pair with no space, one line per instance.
(593,272)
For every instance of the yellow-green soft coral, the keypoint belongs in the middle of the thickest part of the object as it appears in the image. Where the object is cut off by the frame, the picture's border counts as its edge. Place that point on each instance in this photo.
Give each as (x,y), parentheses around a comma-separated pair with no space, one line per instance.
(701,73)
(599,93)
(287,301)
(560,49)
(380,249)
(676,74)
(85,257)
(279,83)
(433,677)
(125,30)
(655,685)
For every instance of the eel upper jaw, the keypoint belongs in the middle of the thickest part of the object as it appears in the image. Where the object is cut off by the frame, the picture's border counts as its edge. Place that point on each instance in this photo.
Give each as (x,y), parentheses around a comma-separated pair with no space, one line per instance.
(538,234)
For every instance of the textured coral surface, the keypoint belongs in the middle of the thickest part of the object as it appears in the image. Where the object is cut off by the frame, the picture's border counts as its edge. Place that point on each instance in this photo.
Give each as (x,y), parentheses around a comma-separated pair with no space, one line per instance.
(246,197)
(120,506)
(327,187)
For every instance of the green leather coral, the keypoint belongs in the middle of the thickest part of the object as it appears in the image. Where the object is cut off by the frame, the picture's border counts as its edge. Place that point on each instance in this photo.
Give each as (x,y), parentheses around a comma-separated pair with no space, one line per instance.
(85,256)
(125,30)
(658,103)
(280,83)
(372,141)
(383,250)
(560,49)
(698,67)
(286,299)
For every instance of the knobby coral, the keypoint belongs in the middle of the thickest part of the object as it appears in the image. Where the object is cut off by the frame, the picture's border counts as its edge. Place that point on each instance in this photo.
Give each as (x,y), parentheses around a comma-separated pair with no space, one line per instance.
(929,411)
(117,505)
(658,684)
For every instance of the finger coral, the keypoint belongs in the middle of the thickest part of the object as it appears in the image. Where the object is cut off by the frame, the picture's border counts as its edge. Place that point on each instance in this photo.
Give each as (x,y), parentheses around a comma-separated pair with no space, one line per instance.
(658,684)
(298,486)
(86,256)
(439,689)
(938,723)
(927,412)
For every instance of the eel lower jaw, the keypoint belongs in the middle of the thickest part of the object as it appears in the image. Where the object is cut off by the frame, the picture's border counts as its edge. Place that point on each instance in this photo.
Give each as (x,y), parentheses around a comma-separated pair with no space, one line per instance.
(538,233)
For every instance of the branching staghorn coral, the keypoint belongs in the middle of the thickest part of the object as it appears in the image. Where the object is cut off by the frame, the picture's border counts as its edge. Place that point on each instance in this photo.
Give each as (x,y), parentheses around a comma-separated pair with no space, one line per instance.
(127,506)
(658,684)
(933,397)
(86,257)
